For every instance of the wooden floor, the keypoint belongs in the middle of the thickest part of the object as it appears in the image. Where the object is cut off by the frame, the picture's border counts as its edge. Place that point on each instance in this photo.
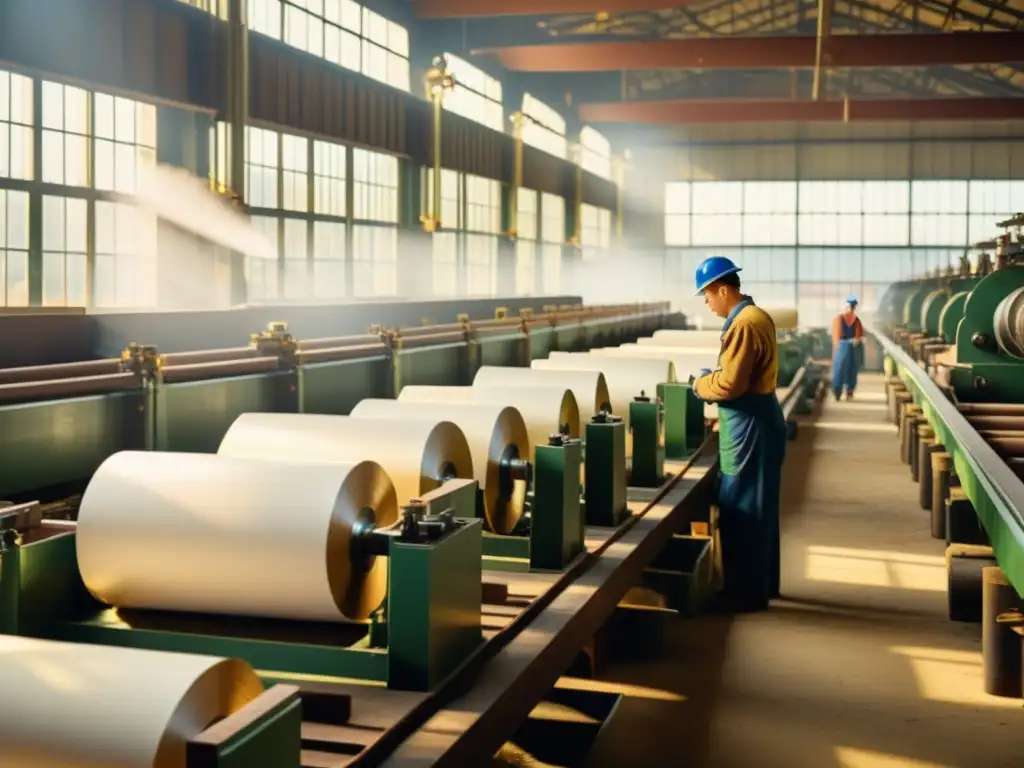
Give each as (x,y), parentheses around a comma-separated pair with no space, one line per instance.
(857,666)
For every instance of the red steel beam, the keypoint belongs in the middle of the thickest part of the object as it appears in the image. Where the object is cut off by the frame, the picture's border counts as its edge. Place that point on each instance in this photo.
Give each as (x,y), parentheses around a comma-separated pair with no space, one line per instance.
(780,111)
(843,51)
(468,9)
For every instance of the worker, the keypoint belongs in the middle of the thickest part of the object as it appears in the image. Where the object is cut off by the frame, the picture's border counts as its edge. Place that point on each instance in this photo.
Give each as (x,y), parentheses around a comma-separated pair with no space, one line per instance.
(847,335)
(751,437)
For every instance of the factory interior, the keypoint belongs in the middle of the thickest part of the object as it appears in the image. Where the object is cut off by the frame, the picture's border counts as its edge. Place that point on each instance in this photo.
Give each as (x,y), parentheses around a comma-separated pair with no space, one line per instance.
(270,263)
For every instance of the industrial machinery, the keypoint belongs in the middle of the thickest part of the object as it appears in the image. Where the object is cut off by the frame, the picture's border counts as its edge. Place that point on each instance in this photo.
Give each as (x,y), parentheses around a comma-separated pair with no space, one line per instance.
(959,400)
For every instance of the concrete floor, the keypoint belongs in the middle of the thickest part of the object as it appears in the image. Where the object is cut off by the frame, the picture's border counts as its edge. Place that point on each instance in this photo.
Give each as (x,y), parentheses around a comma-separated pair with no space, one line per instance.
(857,666)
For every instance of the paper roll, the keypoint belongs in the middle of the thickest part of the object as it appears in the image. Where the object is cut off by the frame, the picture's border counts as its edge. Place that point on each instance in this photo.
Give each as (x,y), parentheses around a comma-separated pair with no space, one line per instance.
(544,409)
(785,318)
(67,705)
(674,338)
(687,362)
(627,377)
(417,457)
(213,534)
(496,434)
(587,386)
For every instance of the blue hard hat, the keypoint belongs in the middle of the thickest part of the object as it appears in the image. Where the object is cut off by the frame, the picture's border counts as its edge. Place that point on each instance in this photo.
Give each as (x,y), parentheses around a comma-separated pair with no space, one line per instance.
(713,268)
(851,299)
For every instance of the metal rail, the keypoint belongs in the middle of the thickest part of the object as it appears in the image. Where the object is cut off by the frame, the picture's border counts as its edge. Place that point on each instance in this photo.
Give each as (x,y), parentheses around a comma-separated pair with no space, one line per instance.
(996,492)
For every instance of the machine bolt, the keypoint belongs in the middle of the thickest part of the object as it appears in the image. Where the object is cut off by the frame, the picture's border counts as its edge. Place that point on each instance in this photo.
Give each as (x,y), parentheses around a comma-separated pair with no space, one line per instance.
(980,340)
(558,439)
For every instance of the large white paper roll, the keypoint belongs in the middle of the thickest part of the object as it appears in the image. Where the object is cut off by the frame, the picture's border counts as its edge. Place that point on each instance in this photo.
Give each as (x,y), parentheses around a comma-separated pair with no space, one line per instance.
(544,409)
(627,377)
(587,386)
(67,705)
(785,318)
(686,362)
(495,434)
(417,457)
(214,534)
(673,338)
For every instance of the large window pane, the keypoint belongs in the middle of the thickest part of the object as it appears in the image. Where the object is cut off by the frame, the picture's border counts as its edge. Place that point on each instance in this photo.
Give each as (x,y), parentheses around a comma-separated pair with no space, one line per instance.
(329,171)
(375,261)
(597,152)
(262,167)
(375,186)
(125,272)
(328,259)
(476,94)
(481,265)
(64,252)
(125,140)
(543,127)
(16,121)
(65,135)
(13,248)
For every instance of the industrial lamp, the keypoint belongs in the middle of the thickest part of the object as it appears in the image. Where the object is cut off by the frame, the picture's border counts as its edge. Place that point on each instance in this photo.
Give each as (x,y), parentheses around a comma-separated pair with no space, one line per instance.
(439,80)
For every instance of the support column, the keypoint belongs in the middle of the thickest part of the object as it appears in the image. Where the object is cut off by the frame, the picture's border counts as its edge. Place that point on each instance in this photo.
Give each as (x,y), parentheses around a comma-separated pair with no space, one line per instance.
(237,118)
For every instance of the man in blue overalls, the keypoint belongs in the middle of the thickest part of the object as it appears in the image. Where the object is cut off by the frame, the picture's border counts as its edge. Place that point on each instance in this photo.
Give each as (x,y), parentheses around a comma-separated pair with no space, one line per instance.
(751,437)
(847,336)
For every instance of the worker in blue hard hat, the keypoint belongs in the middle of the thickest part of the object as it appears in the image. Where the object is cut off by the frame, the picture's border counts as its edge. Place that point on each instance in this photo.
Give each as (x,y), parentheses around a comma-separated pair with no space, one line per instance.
(752,437)
(847,335)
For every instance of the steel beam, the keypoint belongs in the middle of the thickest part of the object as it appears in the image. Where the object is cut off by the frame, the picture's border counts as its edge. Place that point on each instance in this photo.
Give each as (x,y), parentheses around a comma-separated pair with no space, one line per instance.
(844,51)
(466,9)
(778,111)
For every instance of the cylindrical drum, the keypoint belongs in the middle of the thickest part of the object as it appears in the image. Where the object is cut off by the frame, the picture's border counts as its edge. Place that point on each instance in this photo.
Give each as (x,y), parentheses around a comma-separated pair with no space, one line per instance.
(588,387)
(687,362)
(964,566)
(627,377)
(498,443)
(418,457)
(212,534)
(94,706)
(1000,645)
(545,410)
(942,464)
(674,338)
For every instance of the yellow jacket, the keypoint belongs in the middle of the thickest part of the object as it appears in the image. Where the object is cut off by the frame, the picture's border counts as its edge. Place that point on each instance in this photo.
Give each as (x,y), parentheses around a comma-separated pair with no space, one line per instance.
(748,362)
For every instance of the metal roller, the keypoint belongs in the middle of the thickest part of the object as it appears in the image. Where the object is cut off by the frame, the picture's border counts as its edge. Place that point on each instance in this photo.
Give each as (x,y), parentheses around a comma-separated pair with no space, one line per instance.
(213,534)
(498,441)
(70,705)
(588,387)
(417,456)
(1000,645)
(1008,323)
(545,410)
(990,409)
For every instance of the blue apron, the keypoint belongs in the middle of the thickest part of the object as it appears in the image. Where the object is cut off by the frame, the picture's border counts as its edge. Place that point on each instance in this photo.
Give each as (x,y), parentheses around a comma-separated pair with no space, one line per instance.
(751,449)
(844,359)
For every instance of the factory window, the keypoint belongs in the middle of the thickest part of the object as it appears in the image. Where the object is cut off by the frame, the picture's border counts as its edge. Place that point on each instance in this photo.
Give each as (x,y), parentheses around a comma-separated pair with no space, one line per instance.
(264,16)
(481,265)
(991,202)
(13,248)
(294,173)
(526,245)
(483,205)
(125,140)
(677,213)
(716,213)
(65,232)
(851,213)
(125,266)
(444,263)
(329,169)
(328,259)
(595,230)
(260,273)
(477,95)
(16,121)
(552,233)
(938,213)
(451,197)
(375,186)
(597,152)
(218,8)
(543,127)
(341,31)
(296,258)
(374,261)
(65,135)
(262,167)
(769,213)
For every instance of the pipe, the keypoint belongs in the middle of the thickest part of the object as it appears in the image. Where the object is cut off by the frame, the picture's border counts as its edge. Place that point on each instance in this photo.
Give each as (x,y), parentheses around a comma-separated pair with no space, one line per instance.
(42,373)
(70,387)
(820,56)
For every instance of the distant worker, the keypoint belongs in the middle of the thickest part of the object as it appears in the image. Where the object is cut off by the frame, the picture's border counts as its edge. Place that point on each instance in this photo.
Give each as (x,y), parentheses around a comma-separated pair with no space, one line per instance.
(847,335)
(751,437)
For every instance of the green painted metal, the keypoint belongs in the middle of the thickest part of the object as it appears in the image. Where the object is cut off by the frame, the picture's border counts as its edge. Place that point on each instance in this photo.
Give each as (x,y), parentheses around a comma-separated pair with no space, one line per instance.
(194,416)
(336,387)
(684,421)
(682,573)
(647,429)
(556,520)
(444,365)
(912,306)
(511,349)
(951,315)
(995,492)
(434,595)
(605,471)
(271,741)
(542,341)
(931,311)
(991,375)
(62,442)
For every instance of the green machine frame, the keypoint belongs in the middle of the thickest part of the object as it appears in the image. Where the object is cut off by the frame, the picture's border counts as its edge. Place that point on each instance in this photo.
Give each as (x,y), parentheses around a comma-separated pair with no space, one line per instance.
(427,627)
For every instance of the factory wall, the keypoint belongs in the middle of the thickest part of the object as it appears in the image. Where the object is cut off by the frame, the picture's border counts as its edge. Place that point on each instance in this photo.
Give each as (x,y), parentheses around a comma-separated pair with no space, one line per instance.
(815,212)
(338,141)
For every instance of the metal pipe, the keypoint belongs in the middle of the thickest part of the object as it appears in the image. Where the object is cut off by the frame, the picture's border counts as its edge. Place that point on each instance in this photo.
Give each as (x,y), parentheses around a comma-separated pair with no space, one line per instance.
(200,371)
(332,354)
(820,56)
(63,388)
(997,423)
(78,370)
(206,356)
